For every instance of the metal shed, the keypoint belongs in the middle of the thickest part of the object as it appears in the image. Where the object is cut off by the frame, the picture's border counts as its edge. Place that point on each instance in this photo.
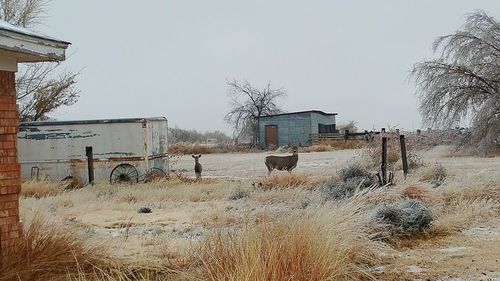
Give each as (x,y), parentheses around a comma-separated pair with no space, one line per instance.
(294,128)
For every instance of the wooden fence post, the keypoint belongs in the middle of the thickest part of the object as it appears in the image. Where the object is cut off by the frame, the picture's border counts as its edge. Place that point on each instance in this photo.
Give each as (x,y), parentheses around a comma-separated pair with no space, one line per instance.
(346,135)
(90,163)
(384,160)
(403,154)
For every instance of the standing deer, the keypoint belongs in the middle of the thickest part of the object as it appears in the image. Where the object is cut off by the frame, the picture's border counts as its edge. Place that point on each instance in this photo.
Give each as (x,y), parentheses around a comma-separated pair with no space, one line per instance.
(282,163)
(197,166)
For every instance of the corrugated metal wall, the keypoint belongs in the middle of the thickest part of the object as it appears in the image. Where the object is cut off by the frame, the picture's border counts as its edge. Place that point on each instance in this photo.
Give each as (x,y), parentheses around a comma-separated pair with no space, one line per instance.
(294,129)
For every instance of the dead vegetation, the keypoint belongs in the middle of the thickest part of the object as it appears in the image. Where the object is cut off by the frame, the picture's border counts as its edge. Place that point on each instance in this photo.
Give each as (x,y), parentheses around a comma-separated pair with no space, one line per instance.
(331,145)
(282,230)
(42,188)
(50,252)
(289,180)
(195,148)
(321,244)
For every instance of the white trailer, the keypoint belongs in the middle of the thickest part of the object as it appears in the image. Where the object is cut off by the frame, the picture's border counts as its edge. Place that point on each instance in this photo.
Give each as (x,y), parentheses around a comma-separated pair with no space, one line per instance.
(124,150)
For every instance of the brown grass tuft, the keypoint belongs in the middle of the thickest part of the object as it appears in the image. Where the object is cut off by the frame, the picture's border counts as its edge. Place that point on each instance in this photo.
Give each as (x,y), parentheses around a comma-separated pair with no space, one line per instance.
(288,180)
(324,245)
(417,192)
(49,253)
(39,189)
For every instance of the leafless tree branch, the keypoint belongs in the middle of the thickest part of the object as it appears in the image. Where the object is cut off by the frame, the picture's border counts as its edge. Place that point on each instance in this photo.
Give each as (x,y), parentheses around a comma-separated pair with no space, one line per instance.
(465,80)
(248,104)
(41,87)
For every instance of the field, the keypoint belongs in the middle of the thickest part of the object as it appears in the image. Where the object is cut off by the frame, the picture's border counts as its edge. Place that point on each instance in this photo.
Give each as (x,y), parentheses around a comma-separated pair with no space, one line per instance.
(238,224)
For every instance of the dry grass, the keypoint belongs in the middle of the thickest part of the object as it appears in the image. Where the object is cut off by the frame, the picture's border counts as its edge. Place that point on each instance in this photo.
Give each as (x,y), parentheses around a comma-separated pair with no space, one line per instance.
(345,144)
(333,145)
(289,180)
(49,252)
(315,148)
(188,148)
(458,208)
(417,192)
(41,188)
(283,231)
(194,148)
(329,243)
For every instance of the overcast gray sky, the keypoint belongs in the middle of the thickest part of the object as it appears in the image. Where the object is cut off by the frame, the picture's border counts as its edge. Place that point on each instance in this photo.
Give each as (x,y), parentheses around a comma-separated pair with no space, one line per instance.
(171,58)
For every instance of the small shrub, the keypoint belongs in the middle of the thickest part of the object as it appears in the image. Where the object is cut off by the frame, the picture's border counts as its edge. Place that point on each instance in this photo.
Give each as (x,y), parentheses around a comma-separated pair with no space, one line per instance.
(438,175)
(414,161)
(239,194)
(335,190)
(144,210)
(356,171)
(405,218)
(338,190)
(352,178)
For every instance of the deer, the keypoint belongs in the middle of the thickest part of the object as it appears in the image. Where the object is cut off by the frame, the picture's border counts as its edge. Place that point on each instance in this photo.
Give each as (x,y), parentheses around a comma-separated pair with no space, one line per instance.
(282,163)
(197,166)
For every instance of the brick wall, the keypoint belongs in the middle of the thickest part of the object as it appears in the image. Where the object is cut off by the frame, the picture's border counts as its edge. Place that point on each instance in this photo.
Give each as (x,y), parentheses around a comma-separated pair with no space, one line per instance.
(10,183)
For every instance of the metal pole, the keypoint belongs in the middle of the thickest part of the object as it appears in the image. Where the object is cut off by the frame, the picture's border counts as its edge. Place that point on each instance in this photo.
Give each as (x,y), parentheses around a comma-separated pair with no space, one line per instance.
(90,163)
(403,154)
(384,160)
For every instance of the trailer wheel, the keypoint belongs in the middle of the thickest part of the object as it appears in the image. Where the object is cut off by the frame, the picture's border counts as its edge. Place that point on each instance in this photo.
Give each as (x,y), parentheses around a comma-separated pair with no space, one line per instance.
(154,174)
(124,173)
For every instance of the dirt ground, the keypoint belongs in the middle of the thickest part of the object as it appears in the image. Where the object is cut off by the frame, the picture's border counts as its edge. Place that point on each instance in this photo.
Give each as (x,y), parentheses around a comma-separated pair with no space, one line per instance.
(185,213)
(251,165)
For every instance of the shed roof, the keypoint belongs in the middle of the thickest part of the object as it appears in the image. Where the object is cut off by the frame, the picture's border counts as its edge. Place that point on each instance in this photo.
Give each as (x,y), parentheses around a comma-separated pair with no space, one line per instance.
(19,44)
(300,112)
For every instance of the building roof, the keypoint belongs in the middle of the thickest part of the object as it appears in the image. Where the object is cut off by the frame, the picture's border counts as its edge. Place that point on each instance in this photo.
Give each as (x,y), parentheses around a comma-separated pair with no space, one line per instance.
(98,121)
(19,44)
(17,29)
(300,112)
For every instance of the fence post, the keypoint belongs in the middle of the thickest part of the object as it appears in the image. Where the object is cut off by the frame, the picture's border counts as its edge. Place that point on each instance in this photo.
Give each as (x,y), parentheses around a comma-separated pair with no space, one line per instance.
(346,135)
(384,160)
(90,163)
(403,154)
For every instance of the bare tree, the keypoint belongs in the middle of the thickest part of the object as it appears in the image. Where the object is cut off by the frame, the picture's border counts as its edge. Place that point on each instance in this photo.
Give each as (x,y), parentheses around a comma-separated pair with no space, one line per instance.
(464,82)
(248,104)
(25,13)
(350,125)
(42,87)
